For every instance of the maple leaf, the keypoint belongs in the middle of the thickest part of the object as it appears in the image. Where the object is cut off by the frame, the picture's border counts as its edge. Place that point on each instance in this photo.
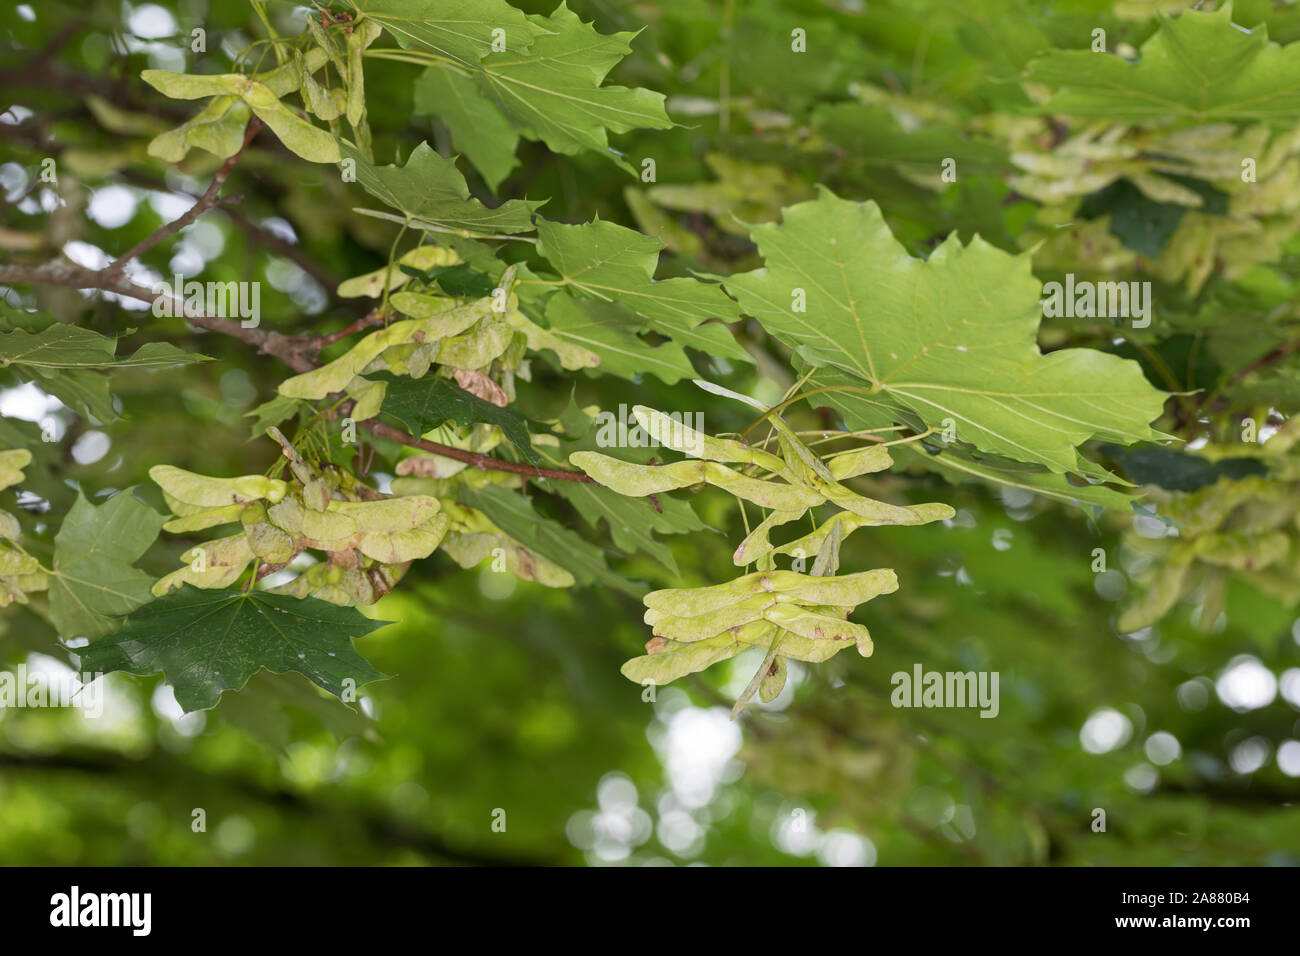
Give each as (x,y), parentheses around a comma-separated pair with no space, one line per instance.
(951,338)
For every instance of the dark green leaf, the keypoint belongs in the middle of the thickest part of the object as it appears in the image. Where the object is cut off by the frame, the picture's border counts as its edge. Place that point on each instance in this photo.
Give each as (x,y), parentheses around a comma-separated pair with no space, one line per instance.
(419,404)
(207,642)
(1178,470)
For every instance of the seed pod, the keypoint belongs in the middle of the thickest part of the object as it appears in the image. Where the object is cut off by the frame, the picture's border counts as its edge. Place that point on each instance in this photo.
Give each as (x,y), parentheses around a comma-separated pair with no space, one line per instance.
(287,77)
(676,627)
(402,546)
(1162,592)
(369,398)
(457,316)
(768,494)
(204,492)
(690,602)
(15,563)
(174,145)
(224,560)
(355,78)
(637,481)
(12,463)
(336,375)
(327,530)
(471,549)
(678,660)
(218,129)
(773,681)
(389,515)
(818,627)
(1243,551)
(571,356)
(799,648)
(315,493)
(17,586)
(800,462)
(680,437)
(641,480)
(863,461)
(880,513)
(368,585)
(310,142)
(188,86)
(756,544)
(270,543)
(35,581)
(372,284)
(287,515)
(329,582)
(318,99)
(845,590)
(477,347)
(326,44)
(205,519)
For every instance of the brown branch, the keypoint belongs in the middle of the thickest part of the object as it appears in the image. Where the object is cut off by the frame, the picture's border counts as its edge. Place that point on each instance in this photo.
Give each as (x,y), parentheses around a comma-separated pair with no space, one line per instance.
(373,317)
(259,233)
(296,351)
(1281,352)
(206,202)
(473,458)
(292,350)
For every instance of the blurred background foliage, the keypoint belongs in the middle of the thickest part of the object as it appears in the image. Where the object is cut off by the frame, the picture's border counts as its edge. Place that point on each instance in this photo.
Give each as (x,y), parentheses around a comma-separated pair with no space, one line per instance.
(505,695)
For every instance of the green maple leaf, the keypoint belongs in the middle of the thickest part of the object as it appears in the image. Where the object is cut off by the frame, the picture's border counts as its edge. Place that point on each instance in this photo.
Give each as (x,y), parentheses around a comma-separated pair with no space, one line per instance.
(552,90)
(951,338)
(545,84)
(207,642)
(429,189)
(872,136)
(1199,66)
(460,30)
(958,462)
(615,264)
(610,331)
(477,128)
(69,362)
(93,581)
(424,403)
(264,709)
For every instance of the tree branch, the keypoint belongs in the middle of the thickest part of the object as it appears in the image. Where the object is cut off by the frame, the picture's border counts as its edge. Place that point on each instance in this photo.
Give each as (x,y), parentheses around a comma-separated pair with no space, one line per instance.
(206,202)
(296,351)
(474,458)
(292,350)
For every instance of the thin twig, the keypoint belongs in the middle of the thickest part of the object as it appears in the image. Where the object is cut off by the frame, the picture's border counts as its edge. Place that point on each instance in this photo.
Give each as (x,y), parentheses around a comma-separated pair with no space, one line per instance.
(373,317)
(296,351)
(474,458)
(205,202)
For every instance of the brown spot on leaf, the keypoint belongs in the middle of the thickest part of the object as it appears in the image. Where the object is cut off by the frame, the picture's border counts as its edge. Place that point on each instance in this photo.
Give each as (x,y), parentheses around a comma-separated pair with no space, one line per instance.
(476,383)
